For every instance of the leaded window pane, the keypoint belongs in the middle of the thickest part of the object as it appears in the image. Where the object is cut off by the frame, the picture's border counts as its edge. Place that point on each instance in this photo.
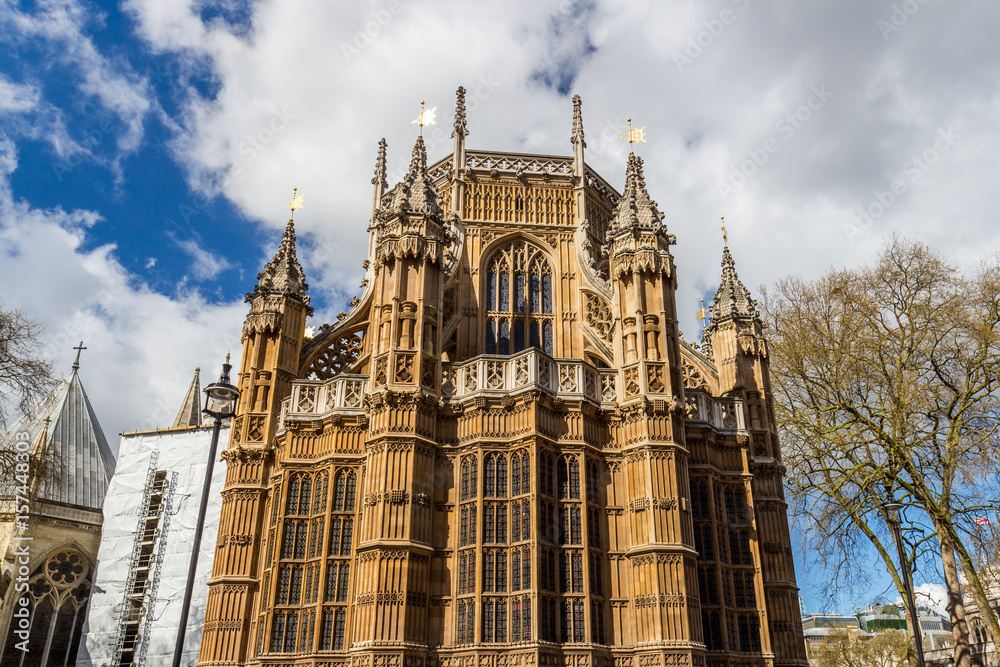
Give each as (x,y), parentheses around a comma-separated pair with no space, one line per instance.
(502,476)
(501,536)
(277,632)
(574,478)
(515,571)
(502,572)
(338,630)
(577,572)
(525,519)
(301,539)
(293,495)
(547,338)
(525,472)
(290,632)
(515,475)
(305,499)
(503,338)
(576,536)
(491,336)
(504,292)
(501,632)
(526,567)
(345,544)
(490,478)
(491,291)
(488,526)
(535,339)
(473,511)
(515,620)
(526,619)
(352,482)
(518,335)
(474,481)
(295,590)
(338,493)
(534,290)
(488,571)
(342,581)
(326,634)
(461,622)
(578,625)
(546,294)
(515,524)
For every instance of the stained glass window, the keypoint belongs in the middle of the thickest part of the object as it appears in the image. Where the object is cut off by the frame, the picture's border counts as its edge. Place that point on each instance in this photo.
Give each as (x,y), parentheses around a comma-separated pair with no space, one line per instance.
(305,499)
(502,571)
(501,536)
(515,475)
(501,633)
(515,571)
(290,632)
(526,567)
(526,619)
(515,620)
(578,635)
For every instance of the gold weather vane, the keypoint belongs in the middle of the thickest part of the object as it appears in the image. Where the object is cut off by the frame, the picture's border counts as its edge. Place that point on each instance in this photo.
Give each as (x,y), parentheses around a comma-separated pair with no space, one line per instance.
(296,201)
(725,237)
(702,314)
(634,136)
(425,117)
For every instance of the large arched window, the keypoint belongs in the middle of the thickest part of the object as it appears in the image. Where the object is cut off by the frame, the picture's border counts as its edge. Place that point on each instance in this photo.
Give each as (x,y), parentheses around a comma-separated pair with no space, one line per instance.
(518,300)
(57,595)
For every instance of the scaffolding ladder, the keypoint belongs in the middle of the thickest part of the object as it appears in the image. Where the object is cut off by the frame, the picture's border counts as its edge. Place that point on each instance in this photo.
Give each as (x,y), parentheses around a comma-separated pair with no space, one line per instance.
(149,618)
(133,604)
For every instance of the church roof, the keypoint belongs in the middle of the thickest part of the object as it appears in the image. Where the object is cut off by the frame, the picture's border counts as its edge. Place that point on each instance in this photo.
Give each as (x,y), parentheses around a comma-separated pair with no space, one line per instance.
(416,192)
(732,300)
(80,461)
(635,210)
(190,412)
(283,274)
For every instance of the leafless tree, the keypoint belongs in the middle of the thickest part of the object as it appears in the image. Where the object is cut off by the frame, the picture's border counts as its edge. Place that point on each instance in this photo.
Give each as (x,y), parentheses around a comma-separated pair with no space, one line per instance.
(888,375)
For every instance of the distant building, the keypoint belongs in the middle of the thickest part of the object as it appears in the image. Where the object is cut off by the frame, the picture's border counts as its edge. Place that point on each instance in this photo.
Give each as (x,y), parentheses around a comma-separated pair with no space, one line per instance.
(934,627)
(50,530)
(817,627)
(150,512)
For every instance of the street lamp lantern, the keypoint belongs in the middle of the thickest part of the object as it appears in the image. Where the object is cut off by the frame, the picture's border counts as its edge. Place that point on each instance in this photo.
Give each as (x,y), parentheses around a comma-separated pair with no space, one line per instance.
(220,400)
(890,510)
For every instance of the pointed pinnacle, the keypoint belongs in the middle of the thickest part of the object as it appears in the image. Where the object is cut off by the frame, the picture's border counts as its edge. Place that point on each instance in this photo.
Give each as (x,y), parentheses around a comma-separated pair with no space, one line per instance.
(380,170)
(577,122)
(460,122)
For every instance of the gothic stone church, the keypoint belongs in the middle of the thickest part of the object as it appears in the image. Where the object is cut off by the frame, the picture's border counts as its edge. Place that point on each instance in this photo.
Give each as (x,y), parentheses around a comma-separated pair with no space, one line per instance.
(504,455)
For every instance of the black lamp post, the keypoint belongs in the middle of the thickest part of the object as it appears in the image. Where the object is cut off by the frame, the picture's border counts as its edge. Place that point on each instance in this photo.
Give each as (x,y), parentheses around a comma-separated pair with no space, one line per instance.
(890,510)
(221,396)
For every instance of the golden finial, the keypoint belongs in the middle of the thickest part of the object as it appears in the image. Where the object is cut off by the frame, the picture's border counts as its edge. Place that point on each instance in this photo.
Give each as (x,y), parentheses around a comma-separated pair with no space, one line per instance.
(702,314)
(296,201)
(725,237)
(425,117)
(634,136)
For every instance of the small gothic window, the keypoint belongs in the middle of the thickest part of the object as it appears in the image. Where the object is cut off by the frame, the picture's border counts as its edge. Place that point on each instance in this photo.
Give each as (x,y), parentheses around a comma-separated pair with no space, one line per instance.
(518,300)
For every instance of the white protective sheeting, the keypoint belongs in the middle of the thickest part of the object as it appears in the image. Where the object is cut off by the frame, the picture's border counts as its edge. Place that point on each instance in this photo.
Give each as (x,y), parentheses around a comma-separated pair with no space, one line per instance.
(184,452)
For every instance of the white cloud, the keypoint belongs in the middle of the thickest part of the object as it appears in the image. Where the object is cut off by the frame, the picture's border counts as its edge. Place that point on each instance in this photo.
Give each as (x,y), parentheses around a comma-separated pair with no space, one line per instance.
(142,346)
(60,27)
(16,97)
(933,596)
(304,96)
(205,265)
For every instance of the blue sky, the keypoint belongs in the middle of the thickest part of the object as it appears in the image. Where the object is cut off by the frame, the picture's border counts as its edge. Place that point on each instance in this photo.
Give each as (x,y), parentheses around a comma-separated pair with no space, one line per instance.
(148,147)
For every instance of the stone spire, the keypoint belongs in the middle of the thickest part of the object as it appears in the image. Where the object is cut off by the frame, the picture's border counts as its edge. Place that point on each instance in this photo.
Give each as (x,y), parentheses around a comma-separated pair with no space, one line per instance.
(190,412)
(283,274)
(635,211)
(732,300)
(378,180)
(460,126)
(416,194)
(577,137)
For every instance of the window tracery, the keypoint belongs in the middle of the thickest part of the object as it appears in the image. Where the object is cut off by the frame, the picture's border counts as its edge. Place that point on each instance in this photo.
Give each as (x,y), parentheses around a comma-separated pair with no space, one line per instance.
(519,300)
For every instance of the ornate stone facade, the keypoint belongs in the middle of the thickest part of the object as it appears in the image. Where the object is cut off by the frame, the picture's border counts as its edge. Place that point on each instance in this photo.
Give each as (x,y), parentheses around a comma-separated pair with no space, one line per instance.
(504,454)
